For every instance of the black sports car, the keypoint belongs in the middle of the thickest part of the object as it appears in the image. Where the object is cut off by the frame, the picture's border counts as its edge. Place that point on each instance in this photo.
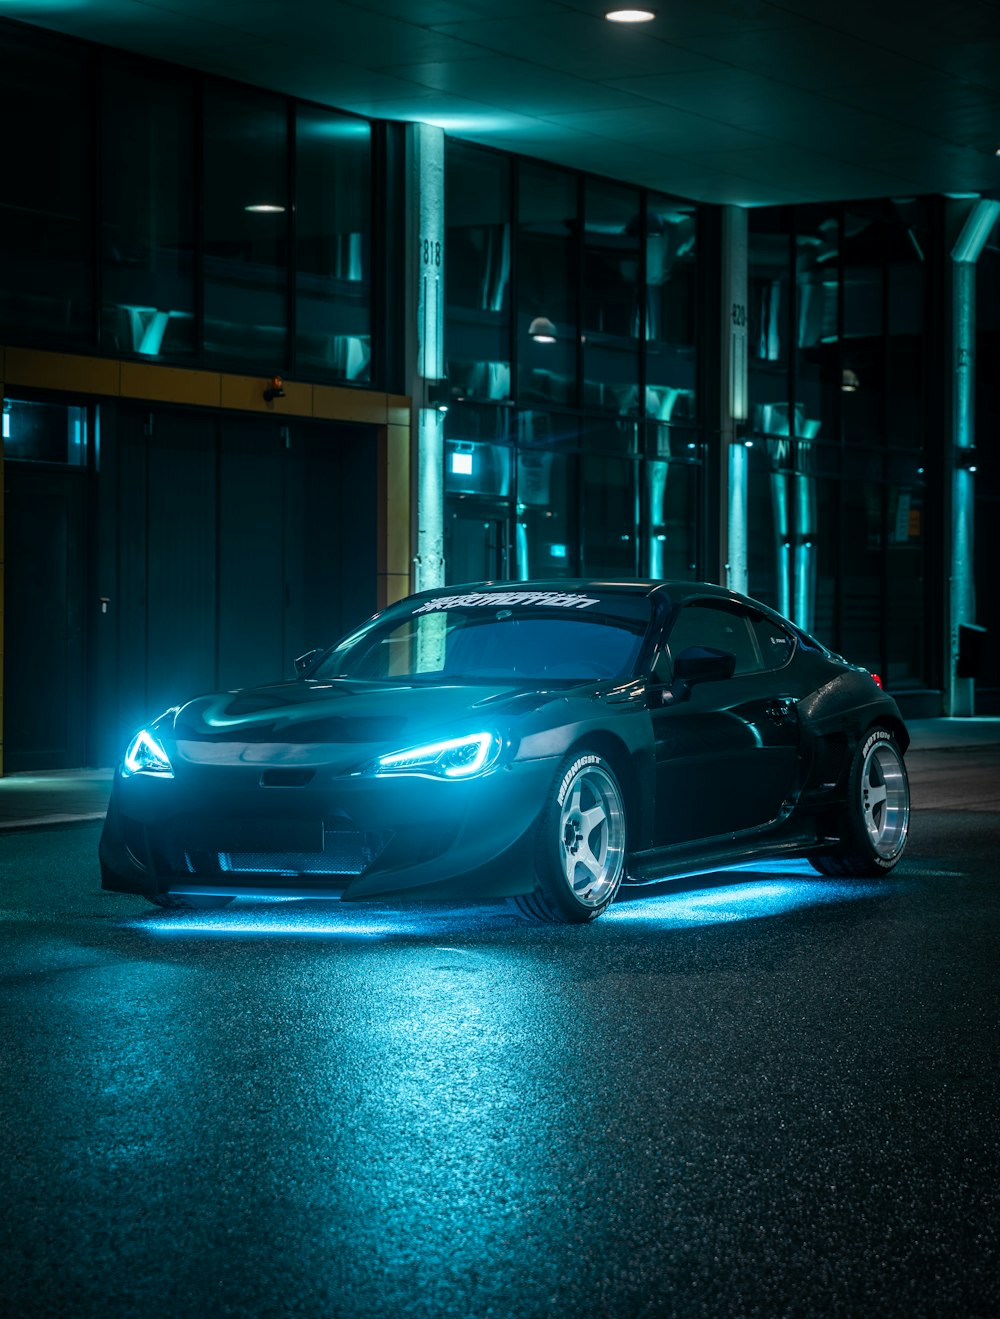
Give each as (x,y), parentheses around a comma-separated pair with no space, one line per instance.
(541,741)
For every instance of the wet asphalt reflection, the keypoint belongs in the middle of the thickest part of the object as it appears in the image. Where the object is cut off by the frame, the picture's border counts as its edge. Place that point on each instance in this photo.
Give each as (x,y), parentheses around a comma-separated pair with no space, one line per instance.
(758,1093)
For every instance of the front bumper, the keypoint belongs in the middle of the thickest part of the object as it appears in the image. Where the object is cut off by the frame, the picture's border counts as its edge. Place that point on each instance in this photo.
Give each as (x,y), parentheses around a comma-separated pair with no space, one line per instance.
(231,830)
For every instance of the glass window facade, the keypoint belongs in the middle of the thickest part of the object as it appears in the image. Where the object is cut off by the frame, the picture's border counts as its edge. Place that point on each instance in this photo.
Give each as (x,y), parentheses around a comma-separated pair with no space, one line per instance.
(478,272)
(838,299)
(148,211)
(333,249)
(46,198)
(548,285)
(148,199)
(245,228)
(571,346)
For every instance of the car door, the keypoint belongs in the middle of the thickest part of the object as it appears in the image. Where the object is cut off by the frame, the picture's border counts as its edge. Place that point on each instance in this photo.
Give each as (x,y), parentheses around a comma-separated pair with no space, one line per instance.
(726,752)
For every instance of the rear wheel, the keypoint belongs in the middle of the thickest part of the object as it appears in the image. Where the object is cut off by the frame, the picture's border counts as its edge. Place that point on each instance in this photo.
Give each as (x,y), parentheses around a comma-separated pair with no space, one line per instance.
(580,848)
(190,901)
(877,818)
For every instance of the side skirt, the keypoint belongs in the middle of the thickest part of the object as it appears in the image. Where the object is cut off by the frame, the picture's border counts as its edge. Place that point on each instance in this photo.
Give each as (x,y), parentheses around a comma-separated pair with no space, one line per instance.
(702,858)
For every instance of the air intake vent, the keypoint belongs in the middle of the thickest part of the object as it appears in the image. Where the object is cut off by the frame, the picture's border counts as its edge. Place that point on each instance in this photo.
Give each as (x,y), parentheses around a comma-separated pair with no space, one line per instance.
(286,778)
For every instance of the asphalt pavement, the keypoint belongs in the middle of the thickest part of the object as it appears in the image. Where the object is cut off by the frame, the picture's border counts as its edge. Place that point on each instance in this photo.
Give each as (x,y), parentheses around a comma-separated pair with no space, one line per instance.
(759,1093)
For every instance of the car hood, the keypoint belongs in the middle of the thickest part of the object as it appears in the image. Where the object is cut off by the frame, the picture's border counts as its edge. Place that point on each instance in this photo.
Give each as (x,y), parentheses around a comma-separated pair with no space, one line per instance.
(344,713)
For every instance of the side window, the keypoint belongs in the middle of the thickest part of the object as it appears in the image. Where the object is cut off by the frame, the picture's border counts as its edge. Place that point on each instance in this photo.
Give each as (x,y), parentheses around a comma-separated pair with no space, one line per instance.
(776,645)
(719,626)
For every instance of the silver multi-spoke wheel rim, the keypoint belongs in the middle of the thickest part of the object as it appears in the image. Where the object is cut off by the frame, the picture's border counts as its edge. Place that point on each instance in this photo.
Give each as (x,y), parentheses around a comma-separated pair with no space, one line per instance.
(885,799)
(592,836)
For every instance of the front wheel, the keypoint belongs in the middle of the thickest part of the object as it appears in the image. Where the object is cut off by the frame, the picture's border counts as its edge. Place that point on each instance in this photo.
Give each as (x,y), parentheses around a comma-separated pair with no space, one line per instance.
(580,847)
(877,819)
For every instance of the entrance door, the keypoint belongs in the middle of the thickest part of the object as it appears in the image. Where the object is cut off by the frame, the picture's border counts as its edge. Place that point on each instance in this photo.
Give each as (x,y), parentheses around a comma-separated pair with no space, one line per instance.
(242,544)
(478,544)
(43,617)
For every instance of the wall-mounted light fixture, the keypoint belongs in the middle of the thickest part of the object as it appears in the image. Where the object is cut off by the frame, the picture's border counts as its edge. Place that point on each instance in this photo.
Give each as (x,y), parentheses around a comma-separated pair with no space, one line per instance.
(965,460)
(275,388)
(542,330)
(264,208)
(850,382)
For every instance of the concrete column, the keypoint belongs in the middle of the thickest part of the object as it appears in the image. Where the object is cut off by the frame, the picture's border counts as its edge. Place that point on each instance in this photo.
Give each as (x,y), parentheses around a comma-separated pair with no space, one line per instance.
(974,222)
(425,361)
(733,456)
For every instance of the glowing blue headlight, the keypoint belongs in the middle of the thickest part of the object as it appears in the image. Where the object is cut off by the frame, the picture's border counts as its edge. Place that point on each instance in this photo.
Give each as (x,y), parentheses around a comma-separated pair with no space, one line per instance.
(458,758)
(145,755)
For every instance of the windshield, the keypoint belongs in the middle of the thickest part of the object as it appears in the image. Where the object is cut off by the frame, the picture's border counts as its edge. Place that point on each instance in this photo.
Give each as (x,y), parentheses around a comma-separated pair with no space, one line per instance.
(496,636)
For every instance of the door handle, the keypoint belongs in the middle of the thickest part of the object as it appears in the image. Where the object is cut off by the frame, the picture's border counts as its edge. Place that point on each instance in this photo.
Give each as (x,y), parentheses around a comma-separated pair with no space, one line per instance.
(780,709)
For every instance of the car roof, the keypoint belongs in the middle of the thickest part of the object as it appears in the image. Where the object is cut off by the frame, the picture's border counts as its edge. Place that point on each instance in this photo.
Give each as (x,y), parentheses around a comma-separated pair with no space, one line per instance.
(646,586)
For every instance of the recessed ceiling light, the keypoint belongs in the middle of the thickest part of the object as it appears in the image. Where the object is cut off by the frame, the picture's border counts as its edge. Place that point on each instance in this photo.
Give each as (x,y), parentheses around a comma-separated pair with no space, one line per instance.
(265,208)
(630,15)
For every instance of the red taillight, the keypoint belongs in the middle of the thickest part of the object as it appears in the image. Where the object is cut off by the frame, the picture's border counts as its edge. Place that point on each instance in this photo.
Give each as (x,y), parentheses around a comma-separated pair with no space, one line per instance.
(878,682)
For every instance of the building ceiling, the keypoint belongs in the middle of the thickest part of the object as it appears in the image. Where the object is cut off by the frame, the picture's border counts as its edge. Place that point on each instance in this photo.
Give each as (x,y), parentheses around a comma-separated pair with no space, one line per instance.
(751,102)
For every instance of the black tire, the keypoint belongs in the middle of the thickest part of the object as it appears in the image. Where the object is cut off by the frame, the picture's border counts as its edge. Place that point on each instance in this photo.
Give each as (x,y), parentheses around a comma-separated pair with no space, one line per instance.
(189,901)
(876,820)
(580,844)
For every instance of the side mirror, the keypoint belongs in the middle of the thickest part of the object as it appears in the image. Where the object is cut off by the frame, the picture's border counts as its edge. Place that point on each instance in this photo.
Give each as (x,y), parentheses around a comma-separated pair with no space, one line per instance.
(305,662)
(696,664)
(703,664)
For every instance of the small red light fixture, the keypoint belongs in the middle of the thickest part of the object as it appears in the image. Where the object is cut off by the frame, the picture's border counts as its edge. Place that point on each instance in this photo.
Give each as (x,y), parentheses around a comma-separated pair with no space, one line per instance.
(877,680)
(275,388)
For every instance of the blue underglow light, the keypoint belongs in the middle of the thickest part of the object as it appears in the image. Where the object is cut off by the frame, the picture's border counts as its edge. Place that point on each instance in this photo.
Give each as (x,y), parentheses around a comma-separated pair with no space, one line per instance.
(737,902)
(249,928)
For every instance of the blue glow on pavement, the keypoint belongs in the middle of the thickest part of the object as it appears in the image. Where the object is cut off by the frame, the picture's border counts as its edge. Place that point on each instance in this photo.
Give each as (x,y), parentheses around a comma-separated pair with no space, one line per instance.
(251,923)
(783,887)
(737,902)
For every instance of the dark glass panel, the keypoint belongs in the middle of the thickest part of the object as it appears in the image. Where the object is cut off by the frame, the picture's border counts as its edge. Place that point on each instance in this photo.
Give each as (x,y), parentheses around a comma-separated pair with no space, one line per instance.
(672,442)
(904,534)
(817,360)
(768,322)
(148,213)
(793,534)
(332,245)
(905,346)
(671,357)
(546,515)
(611,298)
(611,436)
(863,356)
(550,429)
(44,432)
(861,563)
(548,280)
(245,228)
(610,521)
(45,202)
(469,421)
(477,271)
(670,520)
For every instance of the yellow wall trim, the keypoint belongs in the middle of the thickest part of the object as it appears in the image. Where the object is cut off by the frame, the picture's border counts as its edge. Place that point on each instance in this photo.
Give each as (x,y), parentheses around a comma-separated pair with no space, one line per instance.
(32,368)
